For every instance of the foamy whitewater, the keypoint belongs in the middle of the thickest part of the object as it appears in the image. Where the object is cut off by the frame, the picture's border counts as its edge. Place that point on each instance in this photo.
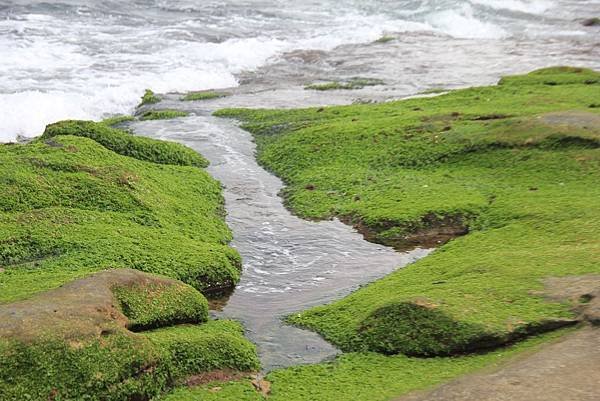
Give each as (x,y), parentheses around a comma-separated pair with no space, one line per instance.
(90,59)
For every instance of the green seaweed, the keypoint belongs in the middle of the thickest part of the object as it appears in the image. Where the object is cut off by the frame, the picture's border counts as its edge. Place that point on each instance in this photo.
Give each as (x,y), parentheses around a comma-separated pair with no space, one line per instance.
(84,198)
(149,97)
(165,114)
(120,366)
(116,120)
(71,206)
(151,306)
(126,144)
(203,95)
(351,84)
(217,345)
(515,165)
(385,39)
(357,377)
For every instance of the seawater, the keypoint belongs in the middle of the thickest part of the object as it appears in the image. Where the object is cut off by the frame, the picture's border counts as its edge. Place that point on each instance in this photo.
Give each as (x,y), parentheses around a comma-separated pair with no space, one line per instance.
(91,59)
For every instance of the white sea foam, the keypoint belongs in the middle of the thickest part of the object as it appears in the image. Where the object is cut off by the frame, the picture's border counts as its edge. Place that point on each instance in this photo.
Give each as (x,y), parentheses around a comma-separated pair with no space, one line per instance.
(89,62)
(524,6)
(59,82)
(461,23)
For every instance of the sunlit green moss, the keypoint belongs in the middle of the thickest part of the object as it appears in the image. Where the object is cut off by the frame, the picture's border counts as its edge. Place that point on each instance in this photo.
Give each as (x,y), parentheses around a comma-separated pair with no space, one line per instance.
(120,366)
(85,197)
(494,159)
(126,144)
(149,98)
(203,95)
(217,345)
(162,114)
(356,377)
(151,306)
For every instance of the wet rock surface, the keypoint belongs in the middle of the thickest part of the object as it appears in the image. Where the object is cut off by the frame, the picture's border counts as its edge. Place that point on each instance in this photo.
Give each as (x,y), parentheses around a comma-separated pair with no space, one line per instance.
(568,369)
(85,308)
(573,119)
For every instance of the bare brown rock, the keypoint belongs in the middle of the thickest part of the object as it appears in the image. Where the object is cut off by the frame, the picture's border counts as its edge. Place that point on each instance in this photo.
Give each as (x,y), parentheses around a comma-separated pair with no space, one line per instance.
(221,375)
(262,386)
(568,369)
(84,308)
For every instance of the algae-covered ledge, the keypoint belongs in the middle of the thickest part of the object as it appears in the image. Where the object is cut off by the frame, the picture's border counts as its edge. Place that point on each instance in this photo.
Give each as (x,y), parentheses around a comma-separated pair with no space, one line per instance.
(507,174)
(85,197)
(80,207)
(515,165)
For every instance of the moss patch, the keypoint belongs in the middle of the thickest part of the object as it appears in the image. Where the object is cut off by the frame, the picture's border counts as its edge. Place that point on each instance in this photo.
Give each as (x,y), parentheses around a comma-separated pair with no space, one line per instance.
(203,95)
(523,183)
(165,114)
(356,377)
(216,345)
(149,97)
(116,120)
(385,39)
(117,366)
(351,84)
(126,144)
(85,198)
(72,343)
(554,76)
(158,305)
(70,206)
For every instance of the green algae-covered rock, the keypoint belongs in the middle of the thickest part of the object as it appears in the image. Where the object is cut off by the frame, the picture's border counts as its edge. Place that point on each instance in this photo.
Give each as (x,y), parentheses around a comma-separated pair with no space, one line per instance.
(514,166)
(74,343)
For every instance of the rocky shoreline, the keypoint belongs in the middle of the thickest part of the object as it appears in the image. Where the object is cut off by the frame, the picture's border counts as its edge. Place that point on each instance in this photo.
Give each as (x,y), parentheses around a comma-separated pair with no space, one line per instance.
(500,196)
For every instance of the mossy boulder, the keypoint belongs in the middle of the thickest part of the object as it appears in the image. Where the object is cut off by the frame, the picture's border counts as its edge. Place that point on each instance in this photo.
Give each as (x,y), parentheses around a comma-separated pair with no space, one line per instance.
(414,328)
(126,144)
(163,114)
(149,97)
(73,342)
(219,345)
(158,304)
(594,21)
(105,302)
(421,328)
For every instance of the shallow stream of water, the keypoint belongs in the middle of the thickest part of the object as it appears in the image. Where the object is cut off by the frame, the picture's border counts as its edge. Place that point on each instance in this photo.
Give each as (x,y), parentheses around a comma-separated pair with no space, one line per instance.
(289,263)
